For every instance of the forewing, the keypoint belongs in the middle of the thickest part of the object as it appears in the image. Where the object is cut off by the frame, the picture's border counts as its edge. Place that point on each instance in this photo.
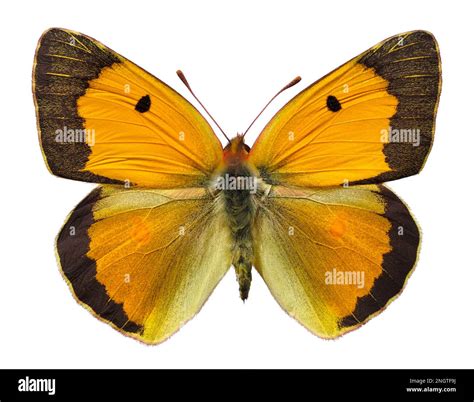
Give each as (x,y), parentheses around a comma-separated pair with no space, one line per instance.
(369,121)
(103,119)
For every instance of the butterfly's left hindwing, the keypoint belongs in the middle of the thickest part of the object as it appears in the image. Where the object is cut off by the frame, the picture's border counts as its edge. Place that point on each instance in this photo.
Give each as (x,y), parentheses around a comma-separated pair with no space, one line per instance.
(103,119)
(334,257)
(144,260)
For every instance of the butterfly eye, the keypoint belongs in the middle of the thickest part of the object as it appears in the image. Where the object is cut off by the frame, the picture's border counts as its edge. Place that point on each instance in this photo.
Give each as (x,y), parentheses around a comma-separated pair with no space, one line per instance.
(247,148)
(333,103)
(143,105)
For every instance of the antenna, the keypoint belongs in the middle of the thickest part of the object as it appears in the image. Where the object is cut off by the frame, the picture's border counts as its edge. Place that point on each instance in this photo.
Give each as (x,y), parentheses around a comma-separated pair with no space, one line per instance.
(289,85)
(185,82)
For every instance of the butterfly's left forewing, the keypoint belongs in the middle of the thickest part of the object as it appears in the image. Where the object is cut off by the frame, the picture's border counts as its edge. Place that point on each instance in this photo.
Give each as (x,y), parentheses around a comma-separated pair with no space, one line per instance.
(369,121)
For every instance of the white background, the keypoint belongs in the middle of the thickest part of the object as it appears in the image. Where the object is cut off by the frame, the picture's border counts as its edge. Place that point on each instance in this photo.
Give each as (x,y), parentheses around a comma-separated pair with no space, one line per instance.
(236,55)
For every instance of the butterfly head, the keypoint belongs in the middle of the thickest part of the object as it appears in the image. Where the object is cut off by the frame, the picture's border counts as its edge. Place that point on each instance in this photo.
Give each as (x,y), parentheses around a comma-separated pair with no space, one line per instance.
(236,151)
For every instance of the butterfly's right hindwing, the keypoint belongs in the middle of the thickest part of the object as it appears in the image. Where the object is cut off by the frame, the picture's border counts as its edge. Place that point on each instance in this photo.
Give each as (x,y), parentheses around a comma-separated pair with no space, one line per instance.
(144,260)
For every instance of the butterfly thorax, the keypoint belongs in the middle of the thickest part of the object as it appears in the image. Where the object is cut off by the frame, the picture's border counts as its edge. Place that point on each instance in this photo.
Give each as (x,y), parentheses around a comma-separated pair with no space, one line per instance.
(237,182)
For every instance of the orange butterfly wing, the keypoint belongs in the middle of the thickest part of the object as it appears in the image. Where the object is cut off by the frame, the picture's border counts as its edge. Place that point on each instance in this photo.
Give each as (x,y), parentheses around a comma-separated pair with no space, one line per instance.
(103,119)
(369,121)
(335,256)
(142,259)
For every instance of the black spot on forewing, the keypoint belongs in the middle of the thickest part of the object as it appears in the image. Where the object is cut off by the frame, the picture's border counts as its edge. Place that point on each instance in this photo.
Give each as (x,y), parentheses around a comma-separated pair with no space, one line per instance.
(143,105)
(333,103)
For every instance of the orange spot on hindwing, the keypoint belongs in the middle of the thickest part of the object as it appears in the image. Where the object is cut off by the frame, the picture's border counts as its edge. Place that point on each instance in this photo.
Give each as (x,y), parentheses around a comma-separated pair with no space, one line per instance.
(140,231)
(338,226)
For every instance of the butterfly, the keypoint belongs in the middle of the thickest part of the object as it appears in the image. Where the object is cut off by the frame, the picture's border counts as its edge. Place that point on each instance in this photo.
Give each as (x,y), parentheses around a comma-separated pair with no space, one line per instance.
(174,210)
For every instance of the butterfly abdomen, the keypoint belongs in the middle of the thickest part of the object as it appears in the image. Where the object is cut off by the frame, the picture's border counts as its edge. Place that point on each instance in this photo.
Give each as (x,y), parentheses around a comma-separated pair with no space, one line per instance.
(239,209)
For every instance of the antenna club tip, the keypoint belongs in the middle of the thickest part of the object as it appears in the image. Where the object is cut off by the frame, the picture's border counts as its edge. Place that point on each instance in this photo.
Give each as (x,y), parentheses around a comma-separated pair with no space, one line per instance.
(181,76)
(293,82)
(183,79)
